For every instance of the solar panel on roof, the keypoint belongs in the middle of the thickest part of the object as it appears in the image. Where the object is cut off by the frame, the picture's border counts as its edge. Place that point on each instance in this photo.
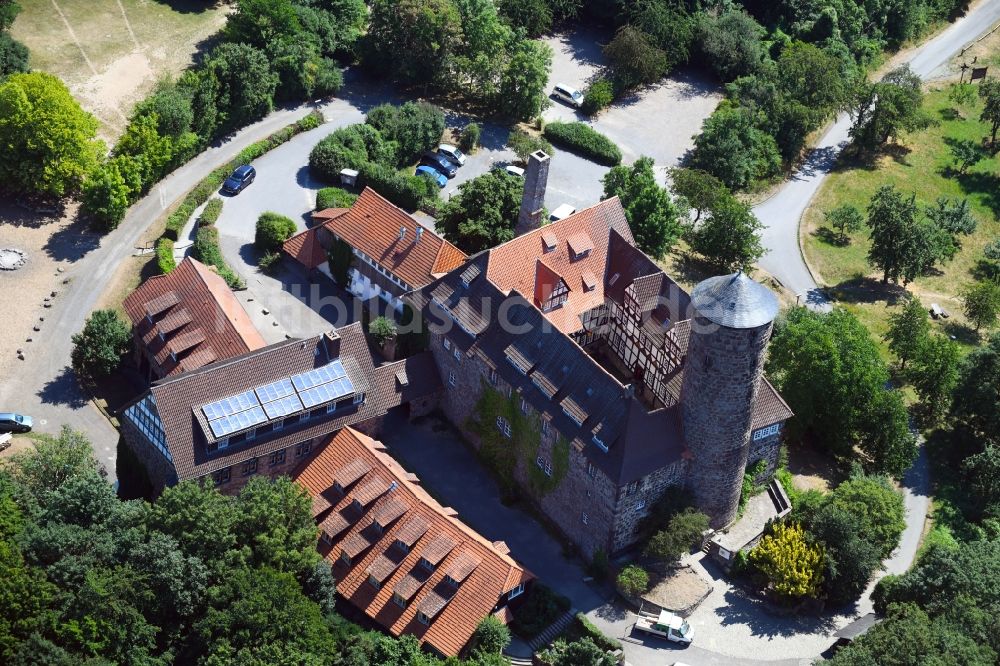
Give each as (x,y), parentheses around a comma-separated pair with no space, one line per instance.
(226,425)
(275,390)
(321,375)
(283,406)
(230,405)
(326,392)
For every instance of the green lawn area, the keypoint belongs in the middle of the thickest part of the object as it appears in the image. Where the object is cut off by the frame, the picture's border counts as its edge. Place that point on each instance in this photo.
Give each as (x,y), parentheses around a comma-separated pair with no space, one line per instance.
(920,163)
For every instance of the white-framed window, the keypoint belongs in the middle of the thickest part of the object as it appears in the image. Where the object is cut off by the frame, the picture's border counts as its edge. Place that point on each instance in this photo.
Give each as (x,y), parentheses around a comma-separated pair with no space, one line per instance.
(640,505)
(591,470)
(493,376)
(399,600)
(585,518)
(600,444)
(516,592)
(359,398)
(220,477)
(525,407)
(325,537)
(373,581)
(446,342)
(503,425)
(766,432)
(422,618)
(457,353)
(546,426)
(345,559)
(452,378)
(250,467)
(548,468)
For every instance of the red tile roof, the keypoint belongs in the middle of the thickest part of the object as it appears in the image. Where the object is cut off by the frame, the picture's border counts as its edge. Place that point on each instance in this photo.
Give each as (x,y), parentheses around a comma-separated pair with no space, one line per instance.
(372,225)
(481,572)
(513,266)
(305,248)
(199,317)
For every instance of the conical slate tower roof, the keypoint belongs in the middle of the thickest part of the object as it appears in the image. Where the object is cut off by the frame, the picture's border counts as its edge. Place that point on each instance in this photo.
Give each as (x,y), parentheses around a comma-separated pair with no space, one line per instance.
(735,301)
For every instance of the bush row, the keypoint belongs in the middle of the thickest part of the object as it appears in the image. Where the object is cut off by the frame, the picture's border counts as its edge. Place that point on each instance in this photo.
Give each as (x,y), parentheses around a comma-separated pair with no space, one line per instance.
(585,140)
(210,213)
(587,628)
(206,250)
(334,197)
(165,255)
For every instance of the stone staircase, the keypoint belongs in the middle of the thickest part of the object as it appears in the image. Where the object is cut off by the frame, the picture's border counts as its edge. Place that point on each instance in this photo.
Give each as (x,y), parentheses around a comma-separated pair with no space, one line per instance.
(517,661)
(556,628)
(780,498)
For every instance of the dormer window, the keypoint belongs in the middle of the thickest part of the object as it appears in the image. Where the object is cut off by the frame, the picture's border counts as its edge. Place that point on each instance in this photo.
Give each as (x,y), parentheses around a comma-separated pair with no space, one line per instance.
(163,338)
(426,564)
(359,398)
(422,618)
(558,296)
(345,559)
(403,548)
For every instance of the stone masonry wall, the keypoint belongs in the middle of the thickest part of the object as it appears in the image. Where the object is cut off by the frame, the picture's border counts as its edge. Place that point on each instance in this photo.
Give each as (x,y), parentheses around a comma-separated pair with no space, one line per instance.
(631,506)
(721,378)
(160,471)
(769,449)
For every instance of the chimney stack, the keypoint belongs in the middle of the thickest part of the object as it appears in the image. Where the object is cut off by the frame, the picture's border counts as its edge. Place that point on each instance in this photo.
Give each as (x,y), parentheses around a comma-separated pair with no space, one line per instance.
(402,233)
(536,178)
(417,234)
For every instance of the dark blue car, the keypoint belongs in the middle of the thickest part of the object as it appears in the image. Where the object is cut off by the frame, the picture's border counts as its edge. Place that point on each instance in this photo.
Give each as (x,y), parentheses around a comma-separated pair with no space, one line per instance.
(439,163)
(241,177)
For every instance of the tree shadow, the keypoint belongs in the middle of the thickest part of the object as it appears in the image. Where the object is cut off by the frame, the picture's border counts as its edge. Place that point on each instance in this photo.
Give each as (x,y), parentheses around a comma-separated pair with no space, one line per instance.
(830,237)
(585,45)
(63,389)
(897,152)
(189,6)
(73,241)
(864,289)
(763,618)
(962,333)
(987,185)
(951,113)
(985,270)
(18,213)
(692,269)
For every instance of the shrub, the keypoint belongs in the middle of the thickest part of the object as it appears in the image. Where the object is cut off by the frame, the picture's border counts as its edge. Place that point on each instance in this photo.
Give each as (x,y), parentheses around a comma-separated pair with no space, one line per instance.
(106,196)
(602,640)
(165,255)
(206,250)
(350,147)
(599,95)
(179,218)
(468,140)
(541,608)
(585,140)
(99,348)
(491,635)
(523,144)
(273,229)
(382,330)
(270,262)
(210,214)
(403,190)
(414,127)
(334,197)
(632,581)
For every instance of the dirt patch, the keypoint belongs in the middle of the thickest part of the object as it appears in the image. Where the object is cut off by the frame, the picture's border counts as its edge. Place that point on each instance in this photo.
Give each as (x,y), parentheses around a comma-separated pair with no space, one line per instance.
(51,245)
(111,93)
(811,470)
(680,591)
(19,444)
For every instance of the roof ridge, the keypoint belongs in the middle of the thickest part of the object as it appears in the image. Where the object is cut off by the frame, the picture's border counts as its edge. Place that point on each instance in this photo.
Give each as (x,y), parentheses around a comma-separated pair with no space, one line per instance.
(548,227)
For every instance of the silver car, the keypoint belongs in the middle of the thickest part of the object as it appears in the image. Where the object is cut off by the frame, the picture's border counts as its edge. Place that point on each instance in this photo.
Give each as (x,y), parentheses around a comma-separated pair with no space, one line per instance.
(452,153)
(568,94)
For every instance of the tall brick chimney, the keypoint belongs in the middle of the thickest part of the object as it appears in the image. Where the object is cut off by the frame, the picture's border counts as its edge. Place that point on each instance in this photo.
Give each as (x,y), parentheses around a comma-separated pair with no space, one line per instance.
(536,178)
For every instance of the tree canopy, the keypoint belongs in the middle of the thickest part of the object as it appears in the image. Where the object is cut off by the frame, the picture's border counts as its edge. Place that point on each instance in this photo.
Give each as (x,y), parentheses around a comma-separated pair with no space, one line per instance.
(828,368)
(484,212)
(729,237)
(50,143)
(100,347)
(650,212)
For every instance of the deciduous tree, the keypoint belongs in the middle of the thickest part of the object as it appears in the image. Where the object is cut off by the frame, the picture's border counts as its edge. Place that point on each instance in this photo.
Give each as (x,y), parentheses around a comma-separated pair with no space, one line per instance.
(100,347)
(483,213)
(734,150)
(981,303)
(730,237)
(909,329)
(522,90)
(49,142)
(651,214)
(845,219)
(934,375)
(989,92)
(699,189)
(883,110)
(634,60)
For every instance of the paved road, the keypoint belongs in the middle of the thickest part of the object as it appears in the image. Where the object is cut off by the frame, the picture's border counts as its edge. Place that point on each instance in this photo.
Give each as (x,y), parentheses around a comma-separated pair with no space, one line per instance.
(782,213)
(44,383)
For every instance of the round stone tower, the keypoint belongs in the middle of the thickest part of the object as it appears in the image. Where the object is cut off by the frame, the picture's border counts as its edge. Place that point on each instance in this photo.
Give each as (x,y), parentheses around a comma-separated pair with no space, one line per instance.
(730,330)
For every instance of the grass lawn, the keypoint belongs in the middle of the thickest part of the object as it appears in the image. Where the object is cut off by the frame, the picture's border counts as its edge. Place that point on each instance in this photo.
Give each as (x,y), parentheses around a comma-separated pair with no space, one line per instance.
(921,164)
(112,52)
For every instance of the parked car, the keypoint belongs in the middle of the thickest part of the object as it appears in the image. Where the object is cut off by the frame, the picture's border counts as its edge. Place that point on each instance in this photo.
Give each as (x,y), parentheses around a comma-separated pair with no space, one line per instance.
(432,173)
(11,422)
(514,170)
(452,153)
(439,163)
(242,176)
(562,211)
(568,94)
(666,625)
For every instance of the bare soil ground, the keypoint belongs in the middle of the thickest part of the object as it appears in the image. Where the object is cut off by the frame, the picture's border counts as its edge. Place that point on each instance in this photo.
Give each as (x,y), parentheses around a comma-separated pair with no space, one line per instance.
(50,243)
(811,470)
(111,53)
(19,444)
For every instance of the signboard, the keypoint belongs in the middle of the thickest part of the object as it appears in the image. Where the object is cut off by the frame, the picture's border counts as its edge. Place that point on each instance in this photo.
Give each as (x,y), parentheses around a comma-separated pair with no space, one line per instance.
(978,73)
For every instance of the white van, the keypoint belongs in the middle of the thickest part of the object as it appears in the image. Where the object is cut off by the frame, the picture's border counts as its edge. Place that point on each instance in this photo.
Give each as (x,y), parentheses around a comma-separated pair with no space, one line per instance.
(563,211)
(568,94)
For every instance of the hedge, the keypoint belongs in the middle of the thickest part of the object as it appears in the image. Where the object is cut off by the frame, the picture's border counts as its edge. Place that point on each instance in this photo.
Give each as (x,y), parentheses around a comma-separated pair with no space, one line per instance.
(403,190)
(165,255)
(334,197)
(273,229)
(206,250)
(210,214)
(587,628)
(585,140)
(600,94)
